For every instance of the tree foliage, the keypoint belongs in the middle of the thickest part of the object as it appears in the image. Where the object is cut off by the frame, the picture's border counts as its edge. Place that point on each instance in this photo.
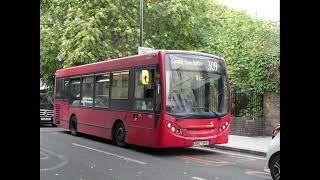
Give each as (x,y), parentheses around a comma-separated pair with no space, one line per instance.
(75,32)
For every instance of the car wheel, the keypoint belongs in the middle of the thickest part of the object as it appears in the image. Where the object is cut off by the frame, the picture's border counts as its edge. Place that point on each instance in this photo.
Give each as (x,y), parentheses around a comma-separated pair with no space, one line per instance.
(73,126)
(275,167)
(119,134)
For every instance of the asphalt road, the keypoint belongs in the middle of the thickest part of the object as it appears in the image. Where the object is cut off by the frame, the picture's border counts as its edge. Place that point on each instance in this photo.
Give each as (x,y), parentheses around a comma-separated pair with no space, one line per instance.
(63,156)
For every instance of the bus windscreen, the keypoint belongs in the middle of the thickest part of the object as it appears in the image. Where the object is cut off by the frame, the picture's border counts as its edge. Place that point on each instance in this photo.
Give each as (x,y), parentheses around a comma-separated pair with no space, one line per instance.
(196,86)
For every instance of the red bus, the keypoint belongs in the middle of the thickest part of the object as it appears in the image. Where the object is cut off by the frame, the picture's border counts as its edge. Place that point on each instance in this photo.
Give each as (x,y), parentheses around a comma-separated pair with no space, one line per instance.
(164,98)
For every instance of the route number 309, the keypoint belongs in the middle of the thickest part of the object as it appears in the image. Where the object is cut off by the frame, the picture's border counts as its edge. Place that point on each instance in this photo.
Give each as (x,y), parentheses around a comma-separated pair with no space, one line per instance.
(213,66)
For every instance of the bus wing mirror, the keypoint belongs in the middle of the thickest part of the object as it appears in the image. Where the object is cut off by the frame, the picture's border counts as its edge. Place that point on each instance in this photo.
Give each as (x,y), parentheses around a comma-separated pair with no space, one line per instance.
(144,77)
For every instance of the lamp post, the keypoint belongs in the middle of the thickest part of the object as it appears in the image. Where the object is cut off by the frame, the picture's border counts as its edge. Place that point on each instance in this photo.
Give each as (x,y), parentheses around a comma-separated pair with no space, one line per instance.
(141,23)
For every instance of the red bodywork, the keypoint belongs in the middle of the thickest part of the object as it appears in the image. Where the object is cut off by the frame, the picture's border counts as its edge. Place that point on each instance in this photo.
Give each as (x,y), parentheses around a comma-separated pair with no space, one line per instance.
(275,131)
(146,131)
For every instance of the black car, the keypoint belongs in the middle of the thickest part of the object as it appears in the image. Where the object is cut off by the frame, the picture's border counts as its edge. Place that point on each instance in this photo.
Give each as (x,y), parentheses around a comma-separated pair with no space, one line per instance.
(46,109)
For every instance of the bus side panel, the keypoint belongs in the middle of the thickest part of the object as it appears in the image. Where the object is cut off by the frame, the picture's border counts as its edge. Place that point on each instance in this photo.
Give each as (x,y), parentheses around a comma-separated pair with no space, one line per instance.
(60,111)
(95,122)
(65,114)
(140,131)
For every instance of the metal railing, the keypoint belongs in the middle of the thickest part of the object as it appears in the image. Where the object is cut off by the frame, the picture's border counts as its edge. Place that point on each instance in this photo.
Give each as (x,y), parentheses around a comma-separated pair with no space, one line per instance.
(247,103)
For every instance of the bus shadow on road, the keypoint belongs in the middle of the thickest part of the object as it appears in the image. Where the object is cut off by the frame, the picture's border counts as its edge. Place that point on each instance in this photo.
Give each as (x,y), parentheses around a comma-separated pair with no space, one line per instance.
(147,150)
(90,137)
(170,151)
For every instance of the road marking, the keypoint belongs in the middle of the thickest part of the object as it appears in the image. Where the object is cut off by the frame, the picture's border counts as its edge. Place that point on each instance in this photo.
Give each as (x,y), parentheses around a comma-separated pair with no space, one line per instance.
(64,160)
(204,161)
(198,178)
(111,154)
(230,153)
(45,155)
(198,161)
(258,174)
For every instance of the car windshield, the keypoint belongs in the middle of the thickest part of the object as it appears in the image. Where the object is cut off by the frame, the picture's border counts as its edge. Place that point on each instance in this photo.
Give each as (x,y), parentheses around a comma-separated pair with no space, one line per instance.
(196,86)
(45,102)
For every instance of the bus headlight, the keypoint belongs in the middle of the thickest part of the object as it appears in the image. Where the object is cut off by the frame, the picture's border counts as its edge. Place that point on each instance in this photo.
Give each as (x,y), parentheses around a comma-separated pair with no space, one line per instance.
(174,128)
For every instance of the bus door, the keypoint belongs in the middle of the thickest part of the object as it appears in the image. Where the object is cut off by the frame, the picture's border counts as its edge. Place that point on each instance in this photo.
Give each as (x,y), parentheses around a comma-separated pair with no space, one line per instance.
(65,102)
(61,102)
(143,105)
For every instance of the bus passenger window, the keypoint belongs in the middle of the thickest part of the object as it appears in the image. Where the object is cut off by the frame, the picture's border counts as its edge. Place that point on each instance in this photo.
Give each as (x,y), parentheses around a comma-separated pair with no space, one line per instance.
(87,91)
(75,92)
(102,90)
(120,85)
(59,88)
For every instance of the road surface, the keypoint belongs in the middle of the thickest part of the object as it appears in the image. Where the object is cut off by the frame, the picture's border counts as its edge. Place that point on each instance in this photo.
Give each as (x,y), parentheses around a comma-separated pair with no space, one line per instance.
(63,156)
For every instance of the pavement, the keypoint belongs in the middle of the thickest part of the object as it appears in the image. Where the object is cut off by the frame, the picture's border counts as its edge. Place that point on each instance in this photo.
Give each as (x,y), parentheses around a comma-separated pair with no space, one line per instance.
(251,145)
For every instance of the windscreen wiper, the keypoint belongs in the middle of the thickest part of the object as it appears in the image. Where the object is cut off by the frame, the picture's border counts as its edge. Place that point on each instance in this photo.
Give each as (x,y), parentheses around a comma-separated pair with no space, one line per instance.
(215,113)
(184,117)
(181,116)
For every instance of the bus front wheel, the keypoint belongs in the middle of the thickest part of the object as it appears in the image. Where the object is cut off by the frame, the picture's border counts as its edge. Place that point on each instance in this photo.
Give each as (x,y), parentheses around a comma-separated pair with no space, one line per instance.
(73,126)
(119,134)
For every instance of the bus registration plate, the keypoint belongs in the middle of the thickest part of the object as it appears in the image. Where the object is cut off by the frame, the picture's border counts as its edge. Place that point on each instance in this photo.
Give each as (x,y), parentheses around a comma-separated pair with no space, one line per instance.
(200,143)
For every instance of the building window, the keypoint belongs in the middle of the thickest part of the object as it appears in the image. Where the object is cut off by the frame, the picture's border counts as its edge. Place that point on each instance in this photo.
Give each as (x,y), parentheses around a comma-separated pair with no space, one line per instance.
(102,90)
(87,92)
(75,92)
(120,85)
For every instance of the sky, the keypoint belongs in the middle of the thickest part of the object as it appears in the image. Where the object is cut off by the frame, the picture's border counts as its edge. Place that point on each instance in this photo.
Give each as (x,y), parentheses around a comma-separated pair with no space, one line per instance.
(262,9)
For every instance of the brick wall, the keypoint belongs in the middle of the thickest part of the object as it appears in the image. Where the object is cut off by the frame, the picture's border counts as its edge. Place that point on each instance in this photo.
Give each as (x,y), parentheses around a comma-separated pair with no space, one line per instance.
(243,126)
(271,111)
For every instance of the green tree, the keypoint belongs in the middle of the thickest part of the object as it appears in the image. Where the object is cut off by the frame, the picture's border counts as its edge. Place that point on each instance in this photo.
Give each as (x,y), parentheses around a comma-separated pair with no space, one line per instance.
(75,32)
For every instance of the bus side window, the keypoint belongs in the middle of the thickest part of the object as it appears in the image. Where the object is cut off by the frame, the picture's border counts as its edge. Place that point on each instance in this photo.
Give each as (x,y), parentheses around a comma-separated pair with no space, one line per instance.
(58,88)
(66,88)
(74,99)
(87,91)
(102,90)
(120,85)
(144,93)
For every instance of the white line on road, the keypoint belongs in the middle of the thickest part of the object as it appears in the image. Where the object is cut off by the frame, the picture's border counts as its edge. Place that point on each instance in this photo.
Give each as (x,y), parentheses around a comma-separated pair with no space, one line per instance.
(233,154)
(111,154)
(45,155)
(64,160)
(198,178)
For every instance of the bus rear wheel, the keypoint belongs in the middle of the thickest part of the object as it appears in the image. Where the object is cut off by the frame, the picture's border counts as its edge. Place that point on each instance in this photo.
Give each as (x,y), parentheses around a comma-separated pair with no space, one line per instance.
(73,126)
(119,134)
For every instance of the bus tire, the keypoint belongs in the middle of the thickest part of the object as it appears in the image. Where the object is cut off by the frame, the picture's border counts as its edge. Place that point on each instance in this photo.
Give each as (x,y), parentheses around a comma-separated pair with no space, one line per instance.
(73,126)
(119,134)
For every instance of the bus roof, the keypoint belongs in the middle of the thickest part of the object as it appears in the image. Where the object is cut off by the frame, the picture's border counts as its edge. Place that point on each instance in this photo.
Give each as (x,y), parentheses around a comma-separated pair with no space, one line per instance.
(150,57)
